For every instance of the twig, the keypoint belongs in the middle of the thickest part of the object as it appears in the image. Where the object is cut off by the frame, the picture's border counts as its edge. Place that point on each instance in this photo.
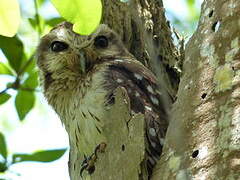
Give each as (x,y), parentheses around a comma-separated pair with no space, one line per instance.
(21,71)
(3,91)
(37,18)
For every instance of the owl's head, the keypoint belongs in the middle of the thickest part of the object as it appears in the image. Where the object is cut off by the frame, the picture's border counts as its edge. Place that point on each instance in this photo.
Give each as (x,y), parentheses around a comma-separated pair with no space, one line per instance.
(63,49)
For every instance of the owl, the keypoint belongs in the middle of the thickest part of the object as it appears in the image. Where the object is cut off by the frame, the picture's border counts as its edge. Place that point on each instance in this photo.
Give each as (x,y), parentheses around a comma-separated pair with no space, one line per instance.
(79,76)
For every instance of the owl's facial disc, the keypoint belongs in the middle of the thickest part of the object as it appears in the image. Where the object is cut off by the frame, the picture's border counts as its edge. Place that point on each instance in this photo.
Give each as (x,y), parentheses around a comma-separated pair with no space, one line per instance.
(62,49)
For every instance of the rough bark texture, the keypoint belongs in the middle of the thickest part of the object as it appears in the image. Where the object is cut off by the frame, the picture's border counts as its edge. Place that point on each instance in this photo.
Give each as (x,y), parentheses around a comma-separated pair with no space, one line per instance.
(146,33)
(203,140)
(125,147)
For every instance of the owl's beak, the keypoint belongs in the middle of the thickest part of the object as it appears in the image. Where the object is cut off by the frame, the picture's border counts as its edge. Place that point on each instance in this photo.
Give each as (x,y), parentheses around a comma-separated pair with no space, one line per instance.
(87,58)
(82,62)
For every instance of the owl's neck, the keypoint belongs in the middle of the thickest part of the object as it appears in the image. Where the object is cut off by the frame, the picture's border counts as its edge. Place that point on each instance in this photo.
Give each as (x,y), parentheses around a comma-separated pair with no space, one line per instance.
(68,92)
(65,85)
(59,83)
(59,80)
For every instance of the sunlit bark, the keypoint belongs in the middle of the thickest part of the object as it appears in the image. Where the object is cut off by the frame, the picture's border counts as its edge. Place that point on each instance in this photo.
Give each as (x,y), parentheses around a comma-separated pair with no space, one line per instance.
(203,140)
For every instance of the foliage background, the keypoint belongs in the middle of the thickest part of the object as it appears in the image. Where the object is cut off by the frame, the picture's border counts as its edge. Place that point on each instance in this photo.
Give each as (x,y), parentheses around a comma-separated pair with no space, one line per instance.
(26,121)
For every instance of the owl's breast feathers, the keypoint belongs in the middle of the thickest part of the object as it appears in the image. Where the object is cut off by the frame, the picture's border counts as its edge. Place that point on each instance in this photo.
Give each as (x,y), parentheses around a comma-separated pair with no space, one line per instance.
(97,90)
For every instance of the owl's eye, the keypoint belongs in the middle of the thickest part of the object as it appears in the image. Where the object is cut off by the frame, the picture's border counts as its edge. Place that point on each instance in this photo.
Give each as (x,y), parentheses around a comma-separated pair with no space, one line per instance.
(101,42)
(58,46)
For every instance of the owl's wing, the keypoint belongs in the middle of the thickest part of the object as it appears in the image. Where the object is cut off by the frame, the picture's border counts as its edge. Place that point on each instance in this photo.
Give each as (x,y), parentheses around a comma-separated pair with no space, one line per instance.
(139,82)
(145,97)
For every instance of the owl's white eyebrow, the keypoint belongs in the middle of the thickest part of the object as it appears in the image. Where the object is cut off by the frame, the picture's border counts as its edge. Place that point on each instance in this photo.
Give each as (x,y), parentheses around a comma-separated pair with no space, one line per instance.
(61,33)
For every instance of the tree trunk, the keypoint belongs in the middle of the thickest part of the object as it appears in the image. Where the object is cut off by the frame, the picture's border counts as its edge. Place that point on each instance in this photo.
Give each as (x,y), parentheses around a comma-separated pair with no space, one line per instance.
(203,137)
(146,33)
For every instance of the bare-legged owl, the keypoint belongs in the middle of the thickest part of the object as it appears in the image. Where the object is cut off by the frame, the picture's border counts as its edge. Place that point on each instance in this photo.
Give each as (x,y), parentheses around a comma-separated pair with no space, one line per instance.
(80,75)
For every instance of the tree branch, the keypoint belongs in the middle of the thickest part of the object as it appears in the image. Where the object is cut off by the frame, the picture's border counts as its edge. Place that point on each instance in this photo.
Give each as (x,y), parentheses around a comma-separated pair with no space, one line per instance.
(23,69)
(125,144)
(5,90)
(37,18)
(203,140)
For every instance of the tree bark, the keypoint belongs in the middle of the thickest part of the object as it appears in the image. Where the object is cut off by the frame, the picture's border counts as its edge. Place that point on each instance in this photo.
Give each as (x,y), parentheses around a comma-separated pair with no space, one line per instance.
(147,35)
(203,139)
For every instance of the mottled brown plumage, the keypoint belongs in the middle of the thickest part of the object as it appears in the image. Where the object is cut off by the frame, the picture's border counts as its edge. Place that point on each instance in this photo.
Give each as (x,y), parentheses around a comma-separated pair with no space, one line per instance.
(80,74)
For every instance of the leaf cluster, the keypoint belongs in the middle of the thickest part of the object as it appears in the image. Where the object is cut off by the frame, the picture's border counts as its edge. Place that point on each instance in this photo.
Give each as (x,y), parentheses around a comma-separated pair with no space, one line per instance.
(41,156)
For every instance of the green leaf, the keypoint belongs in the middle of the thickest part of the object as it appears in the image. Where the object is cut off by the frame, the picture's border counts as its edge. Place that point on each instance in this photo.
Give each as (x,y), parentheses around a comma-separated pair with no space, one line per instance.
(84,14)
(3,167)
(24,102)
(3,146)
(4,97)
(4,69)
(40,2)
(31,67)
(54,21)
(9,17)
(31,81)
(13,50)
(190,2)
(42,156)
(33,22)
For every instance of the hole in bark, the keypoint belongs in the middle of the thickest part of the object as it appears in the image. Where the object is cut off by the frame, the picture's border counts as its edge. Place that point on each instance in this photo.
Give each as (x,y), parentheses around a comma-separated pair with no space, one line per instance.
(123,147)
(204,95)
(216,26)
(195,153)
(210,14)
